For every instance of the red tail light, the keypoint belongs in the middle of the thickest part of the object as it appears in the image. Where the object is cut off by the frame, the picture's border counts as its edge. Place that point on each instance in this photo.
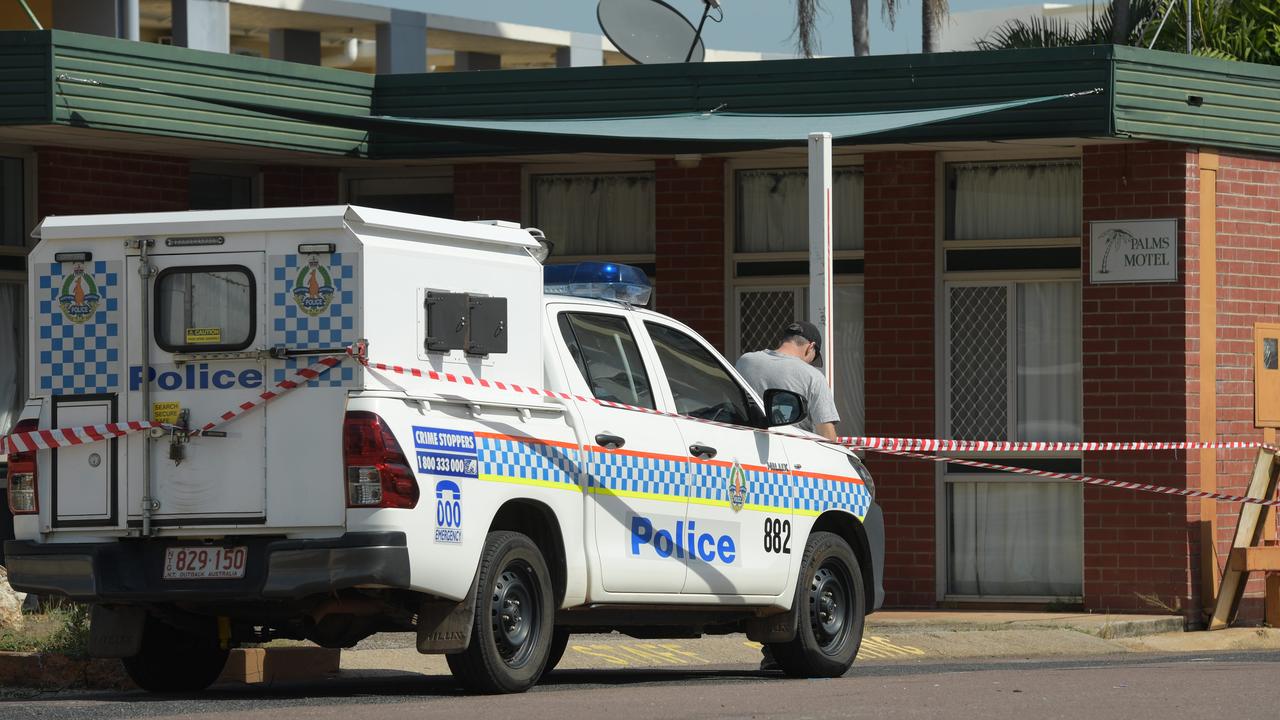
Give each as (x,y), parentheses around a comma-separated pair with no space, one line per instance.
(378,473)
(23,495)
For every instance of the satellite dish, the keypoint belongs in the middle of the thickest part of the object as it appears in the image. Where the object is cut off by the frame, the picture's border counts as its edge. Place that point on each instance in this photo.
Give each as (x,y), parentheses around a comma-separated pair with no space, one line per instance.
(650,31)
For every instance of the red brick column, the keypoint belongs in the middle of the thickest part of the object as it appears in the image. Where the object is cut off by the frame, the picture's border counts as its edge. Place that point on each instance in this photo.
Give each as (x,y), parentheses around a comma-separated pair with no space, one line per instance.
(1248,191)
(487,191)
(71,181)
(294,186)
(900,350)
(1141,367)
(690,245)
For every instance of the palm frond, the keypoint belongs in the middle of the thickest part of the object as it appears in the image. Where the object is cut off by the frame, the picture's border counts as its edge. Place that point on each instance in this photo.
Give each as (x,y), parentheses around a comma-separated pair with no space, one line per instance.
(806,32)
(1034,32)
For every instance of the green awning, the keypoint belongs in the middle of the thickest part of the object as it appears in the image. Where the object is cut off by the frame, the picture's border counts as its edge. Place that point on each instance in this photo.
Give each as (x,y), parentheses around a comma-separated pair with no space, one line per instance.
(716,127)
(676,132)
(711,131)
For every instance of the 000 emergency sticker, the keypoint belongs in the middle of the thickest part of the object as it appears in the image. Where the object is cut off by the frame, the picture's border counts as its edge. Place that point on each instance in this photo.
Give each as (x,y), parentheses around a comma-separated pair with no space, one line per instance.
(447,454)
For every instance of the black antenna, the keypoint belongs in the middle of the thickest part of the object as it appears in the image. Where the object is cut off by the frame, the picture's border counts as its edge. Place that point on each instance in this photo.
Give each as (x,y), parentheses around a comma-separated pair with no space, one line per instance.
(697,34)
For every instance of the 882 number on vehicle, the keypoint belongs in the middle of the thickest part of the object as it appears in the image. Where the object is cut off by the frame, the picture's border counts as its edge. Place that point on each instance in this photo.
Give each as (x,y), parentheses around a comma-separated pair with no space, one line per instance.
(777,536)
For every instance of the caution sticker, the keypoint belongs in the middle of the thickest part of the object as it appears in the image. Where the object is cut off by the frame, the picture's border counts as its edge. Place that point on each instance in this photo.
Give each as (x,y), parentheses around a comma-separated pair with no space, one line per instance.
(204,336)
(166,412)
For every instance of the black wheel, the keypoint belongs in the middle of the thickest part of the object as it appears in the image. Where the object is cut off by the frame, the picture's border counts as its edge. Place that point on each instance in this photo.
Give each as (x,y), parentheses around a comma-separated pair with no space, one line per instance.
(511,636)
(175,661)
(559,643)
(832,606)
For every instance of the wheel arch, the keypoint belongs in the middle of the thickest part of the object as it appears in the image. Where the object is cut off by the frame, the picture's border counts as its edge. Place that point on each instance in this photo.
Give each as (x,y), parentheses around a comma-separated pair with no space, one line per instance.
(848,527)
(539,523)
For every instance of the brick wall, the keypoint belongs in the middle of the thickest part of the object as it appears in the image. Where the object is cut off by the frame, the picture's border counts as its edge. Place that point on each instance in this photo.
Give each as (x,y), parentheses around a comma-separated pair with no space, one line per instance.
(1141,364)
(72,181)
(690,245)
(1248,191)
(487,191)
(900,350)
(294,186)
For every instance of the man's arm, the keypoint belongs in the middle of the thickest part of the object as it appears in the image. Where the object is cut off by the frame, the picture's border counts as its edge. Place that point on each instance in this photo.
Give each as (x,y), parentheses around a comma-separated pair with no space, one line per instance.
(826,430)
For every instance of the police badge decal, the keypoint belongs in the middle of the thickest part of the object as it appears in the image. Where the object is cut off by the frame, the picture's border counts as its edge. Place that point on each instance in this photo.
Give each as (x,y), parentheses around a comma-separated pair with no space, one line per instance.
(737,486)
(79,295)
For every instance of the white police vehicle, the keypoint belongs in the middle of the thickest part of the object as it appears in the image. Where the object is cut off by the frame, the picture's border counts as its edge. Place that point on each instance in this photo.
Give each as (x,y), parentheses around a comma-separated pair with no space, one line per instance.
(491,479)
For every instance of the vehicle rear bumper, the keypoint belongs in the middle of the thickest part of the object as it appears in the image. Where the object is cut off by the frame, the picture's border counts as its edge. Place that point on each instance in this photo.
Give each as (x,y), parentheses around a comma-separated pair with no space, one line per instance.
(277,569)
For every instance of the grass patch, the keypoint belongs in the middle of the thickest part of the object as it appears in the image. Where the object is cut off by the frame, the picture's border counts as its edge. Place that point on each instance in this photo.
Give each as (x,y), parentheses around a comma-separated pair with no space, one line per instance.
(62,629)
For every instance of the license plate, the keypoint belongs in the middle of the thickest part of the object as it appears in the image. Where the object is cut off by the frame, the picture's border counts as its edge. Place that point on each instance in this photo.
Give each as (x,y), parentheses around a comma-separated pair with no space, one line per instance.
(204,563)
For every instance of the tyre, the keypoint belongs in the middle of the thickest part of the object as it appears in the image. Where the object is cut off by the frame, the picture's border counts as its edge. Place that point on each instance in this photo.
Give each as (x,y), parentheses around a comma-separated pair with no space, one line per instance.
(511,634)
(559,643)
(831,603)
(175,661)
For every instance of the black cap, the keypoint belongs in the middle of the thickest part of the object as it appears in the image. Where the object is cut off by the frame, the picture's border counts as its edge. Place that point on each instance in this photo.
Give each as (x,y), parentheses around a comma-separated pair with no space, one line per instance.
(808,331)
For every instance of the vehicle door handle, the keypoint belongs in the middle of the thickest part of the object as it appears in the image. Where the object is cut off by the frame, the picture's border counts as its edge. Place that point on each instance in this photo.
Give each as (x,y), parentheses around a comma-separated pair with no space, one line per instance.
(609,442)
(704,452)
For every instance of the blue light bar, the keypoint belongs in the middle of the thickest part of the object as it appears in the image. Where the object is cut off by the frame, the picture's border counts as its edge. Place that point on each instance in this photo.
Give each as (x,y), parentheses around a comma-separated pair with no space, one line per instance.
(602,280)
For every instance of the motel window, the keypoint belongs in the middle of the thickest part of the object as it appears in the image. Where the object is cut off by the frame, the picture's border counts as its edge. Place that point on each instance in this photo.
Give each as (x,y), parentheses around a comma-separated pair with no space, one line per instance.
(596,214)
(770,284)
(1012,362)
(773,209)
(218,187)
(428,191)
(13,248)
(12,204)
(1013,200)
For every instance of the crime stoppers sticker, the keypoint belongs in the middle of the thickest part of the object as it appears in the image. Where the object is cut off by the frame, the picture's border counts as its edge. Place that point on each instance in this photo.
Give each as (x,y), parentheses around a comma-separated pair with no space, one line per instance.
(448,456)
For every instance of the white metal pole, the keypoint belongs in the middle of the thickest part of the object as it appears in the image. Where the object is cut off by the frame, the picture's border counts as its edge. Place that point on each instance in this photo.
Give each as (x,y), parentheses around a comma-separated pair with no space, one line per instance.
(821,310)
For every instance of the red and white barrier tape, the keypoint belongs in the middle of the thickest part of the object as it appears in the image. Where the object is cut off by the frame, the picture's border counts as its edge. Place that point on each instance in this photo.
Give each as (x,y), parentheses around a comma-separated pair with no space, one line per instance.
(928,445)
(66,437)
(902,447)
(1086,479)
(300,378)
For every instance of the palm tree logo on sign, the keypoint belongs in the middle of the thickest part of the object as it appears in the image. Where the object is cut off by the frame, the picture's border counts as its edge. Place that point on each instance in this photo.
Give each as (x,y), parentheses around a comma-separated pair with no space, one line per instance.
(1111,238)
(313,290)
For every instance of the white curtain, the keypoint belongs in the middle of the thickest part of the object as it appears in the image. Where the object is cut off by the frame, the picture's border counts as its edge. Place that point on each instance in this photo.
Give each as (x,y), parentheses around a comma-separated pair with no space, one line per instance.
(850,368)
(1016,538)
(996,201)
(773,210)
(11,356)
(1049,376)
(596,214)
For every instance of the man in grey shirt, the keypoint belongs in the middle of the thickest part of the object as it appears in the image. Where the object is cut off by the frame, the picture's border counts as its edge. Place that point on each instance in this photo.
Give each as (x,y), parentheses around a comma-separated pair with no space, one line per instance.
(791,367)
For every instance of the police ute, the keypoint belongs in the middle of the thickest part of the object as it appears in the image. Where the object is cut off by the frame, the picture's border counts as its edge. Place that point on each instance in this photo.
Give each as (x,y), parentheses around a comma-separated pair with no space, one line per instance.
(328,422)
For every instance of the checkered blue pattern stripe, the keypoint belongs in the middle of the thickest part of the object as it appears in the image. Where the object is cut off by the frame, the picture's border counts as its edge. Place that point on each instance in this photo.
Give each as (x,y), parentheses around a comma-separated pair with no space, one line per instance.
(711,482)
(296,330)
(652,476)
(530,461)
(819,494)
(78,359)
(628,473)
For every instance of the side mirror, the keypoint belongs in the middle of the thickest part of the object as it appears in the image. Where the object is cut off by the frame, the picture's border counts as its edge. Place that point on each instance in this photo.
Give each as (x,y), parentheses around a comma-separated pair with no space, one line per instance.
(783,407)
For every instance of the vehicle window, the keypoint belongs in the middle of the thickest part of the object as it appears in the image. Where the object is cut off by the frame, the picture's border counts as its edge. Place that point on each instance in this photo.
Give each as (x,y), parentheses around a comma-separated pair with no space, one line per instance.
(699,382)
(607,356)
(207,308)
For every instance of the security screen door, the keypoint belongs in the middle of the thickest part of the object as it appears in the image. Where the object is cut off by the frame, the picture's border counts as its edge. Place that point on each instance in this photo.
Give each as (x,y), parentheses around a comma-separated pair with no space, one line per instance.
(1013,373)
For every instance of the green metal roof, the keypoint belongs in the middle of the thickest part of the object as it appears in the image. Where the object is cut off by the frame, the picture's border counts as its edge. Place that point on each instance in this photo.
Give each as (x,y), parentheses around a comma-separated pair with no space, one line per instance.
(74,80)
(95,82)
